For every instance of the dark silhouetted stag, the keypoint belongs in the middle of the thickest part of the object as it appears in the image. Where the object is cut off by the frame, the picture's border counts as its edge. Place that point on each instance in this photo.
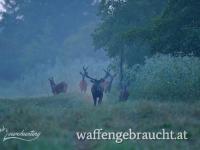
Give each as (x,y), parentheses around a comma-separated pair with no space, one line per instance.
(97,87)
(58,88)
(83,83)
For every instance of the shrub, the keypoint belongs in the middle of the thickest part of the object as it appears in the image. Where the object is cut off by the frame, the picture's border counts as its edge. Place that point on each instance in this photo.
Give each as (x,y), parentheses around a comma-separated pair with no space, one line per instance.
(167,77)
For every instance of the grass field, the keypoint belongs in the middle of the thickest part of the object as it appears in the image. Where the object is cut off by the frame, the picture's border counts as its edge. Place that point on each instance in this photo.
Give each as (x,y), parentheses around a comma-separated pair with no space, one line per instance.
(58,118)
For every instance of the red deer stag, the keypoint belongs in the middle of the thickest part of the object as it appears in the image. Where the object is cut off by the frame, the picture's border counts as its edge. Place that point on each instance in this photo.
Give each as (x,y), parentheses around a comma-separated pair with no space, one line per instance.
(83,83)
(108,84)
(124,92)
(97,87)
(58,88)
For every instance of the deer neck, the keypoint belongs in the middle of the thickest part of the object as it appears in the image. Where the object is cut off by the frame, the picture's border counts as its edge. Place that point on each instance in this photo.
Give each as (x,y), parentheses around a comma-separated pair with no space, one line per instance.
(105,77)
(53,85)
(111,79)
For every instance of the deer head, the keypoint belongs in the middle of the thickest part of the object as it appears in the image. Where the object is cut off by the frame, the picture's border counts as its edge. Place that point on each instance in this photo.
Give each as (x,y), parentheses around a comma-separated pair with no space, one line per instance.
(94,80)
(52,83)
(112,76)
(83,73)
(51,80)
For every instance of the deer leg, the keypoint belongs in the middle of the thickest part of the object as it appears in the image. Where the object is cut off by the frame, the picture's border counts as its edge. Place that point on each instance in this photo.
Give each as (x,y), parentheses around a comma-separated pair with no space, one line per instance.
(109,90)
(65,89)
(95,101)
(106,90)
(100,99)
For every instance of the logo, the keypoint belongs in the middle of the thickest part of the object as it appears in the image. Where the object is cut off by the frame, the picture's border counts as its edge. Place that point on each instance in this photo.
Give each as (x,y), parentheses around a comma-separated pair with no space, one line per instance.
(19,135)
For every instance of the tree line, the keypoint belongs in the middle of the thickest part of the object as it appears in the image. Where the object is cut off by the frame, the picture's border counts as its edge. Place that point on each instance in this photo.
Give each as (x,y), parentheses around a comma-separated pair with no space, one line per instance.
(131,30)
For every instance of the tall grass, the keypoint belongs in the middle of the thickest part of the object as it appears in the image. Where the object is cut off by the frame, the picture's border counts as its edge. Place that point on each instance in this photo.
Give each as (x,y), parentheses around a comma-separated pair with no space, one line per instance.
(58,118)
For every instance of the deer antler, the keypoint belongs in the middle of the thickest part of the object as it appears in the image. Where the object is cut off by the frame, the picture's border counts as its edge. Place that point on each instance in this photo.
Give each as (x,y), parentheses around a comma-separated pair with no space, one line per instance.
(109,74)
(85,69)
(86,74)
(82,74)
(107,71)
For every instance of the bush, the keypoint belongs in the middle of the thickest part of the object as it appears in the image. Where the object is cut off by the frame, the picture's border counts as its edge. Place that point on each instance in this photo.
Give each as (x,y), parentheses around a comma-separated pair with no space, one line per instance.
(167,77)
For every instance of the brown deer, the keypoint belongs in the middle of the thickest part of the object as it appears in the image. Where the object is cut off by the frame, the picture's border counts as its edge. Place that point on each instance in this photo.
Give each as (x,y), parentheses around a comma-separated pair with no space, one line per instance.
(105,85)
(124,92)
(108,84)
(97,87)
(58,88)
(83,83)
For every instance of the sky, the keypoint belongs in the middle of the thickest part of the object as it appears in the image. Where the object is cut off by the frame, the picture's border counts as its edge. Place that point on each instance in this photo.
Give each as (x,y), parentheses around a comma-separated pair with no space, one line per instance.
(2,9)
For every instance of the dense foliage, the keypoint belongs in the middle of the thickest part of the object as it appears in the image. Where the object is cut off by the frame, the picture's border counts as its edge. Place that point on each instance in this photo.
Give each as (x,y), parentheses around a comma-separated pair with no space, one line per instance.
(120,17)
(134,29)
(168,77)
(144,28)
(177,29)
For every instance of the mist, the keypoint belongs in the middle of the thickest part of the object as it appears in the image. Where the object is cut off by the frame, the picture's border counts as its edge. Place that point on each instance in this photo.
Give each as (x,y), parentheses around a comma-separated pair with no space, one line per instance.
(54,47)
(98,69)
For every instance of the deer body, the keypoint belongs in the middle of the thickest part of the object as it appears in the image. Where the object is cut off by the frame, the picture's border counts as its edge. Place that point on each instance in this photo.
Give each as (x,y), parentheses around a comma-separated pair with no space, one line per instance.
(124,93)
(97,88)
(83,84)
(58,88)
(108,84)
(97,91)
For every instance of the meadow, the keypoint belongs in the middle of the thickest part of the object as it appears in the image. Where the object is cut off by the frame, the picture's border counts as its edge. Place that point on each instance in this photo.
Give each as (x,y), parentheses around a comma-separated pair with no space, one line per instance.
(59,117)
(153,48)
